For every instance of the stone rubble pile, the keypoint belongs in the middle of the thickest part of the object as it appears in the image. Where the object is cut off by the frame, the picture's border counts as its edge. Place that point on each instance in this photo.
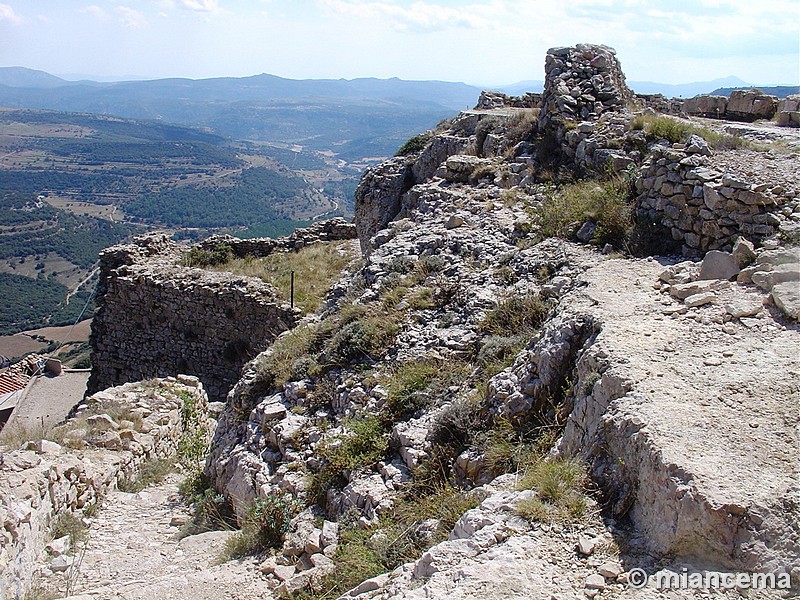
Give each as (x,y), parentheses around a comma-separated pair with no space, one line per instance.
(775,272)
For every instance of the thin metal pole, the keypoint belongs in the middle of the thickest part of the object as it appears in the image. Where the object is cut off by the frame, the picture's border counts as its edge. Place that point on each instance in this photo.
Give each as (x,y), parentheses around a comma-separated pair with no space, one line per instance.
(291,291)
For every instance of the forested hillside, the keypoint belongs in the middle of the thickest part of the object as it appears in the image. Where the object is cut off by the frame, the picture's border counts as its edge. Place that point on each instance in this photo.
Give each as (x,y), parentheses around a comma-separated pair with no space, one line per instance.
(72,184)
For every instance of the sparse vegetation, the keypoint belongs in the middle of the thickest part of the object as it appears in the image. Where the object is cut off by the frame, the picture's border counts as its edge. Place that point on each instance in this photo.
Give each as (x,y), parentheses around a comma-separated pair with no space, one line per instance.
(662,127)
(152,472)
(264,528)
(364,443)
(415,524)
(413,385)
(559,485)
(210,509)
(70,524)
(316,268)
(516,313)
(603,202)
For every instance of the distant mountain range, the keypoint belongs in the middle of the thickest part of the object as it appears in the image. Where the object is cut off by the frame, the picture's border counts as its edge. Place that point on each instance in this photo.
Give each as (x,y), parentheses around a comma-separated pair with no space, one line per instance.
(355,118)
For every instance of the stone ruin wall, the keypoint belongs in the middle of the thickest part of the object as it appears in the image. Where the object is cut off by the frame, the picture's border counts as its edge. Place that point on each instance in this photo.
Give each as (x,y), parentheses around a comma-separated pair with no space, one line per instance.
(586,112)
(702,208)
(585,115)
(156,318)
(45,480)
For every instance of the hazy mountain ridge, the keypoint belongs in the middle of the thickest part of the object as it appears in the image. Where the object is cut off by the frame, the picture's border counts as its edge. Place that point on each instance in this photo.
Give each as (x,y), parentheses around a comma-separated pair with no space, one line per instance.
(781,91)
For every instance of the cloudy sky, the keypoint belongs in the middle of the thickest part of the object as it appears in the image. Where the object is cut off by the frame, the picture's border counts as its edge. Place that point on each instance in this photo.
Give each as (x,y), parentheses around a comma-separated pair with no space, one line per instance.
(476,41)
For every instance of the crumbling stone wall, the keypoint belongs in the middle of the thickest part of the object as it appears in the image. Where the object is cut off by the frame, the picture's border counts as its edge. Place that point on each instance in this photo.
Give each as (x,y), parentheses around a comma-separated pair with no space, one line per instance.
(584,116)
(322,231)
(702,208)
(44,480)
(581,83)
(157,318)
(489,100)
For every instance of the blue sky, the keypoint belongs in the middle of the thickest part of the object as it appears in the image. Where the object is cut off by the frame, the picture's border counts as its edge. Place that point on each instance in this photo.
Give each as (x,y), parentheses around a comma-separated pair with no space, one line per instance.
(486,42)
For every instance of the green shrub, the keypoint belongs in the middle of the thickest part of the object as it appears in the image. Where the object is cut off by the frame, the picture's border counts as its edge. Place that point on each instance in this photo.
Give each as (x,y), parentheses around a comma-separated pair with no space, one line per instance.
(276,368)
(407,385)
(365,339)
(201,257)
(268,520)
(414,144)
(364,553)
(210,509)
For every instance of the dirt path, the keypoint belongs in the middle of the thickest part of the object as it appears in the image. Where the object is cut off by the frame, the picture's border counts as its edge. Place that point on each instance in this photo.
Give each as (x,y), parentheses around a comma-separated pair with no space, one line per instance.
(133,553)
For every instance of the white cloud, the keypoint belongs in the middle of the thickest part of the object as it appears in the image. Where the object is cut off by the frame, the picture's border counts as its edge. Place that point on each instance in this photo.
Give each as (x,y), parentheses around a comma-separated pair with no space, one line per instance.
(201,5)
(130,17)
(418,16)
(96,11)
(7,14)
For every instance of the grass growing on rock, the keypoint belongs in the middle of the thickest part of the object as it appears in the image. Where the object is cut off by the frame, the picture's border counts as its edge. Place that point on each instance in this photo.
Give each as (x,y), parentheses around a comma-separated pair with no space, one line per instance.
(604,202)
(355,334)
(661,127)
(414,384)
(268,520)
(415,524)
(559,485)
(364,443)
(316,268)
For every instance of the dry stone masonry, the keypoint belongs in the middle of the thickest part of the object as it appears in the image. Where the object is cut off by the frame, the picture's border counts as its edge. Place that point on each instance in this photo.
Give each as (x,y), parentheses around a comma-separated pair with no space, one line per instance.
(702,208)
(674,383)
(43,480)
(157,318)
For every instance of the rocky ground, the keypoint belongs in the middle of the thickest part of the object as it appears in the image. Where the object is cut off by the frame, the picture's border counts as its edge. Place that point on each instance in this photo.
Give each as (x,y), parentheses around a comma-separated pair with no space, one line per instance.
(673,382)
(134,551)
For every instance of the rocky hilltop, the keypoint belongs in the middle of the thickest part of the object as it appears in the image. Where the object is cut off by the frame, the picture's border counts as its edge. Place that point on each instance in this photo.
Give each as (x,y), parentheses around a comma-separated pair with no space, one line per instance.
(567,360)
(471,334)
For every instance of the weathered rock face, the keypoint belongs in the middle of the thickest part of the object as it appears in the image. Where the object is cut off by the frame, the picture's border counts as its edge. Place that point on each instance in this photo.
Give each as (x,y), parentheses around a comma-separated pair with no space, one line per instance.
(749,105)
(675,386)
(789,111)
(45,480)
(707,106)
(378,196)
(743,105)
